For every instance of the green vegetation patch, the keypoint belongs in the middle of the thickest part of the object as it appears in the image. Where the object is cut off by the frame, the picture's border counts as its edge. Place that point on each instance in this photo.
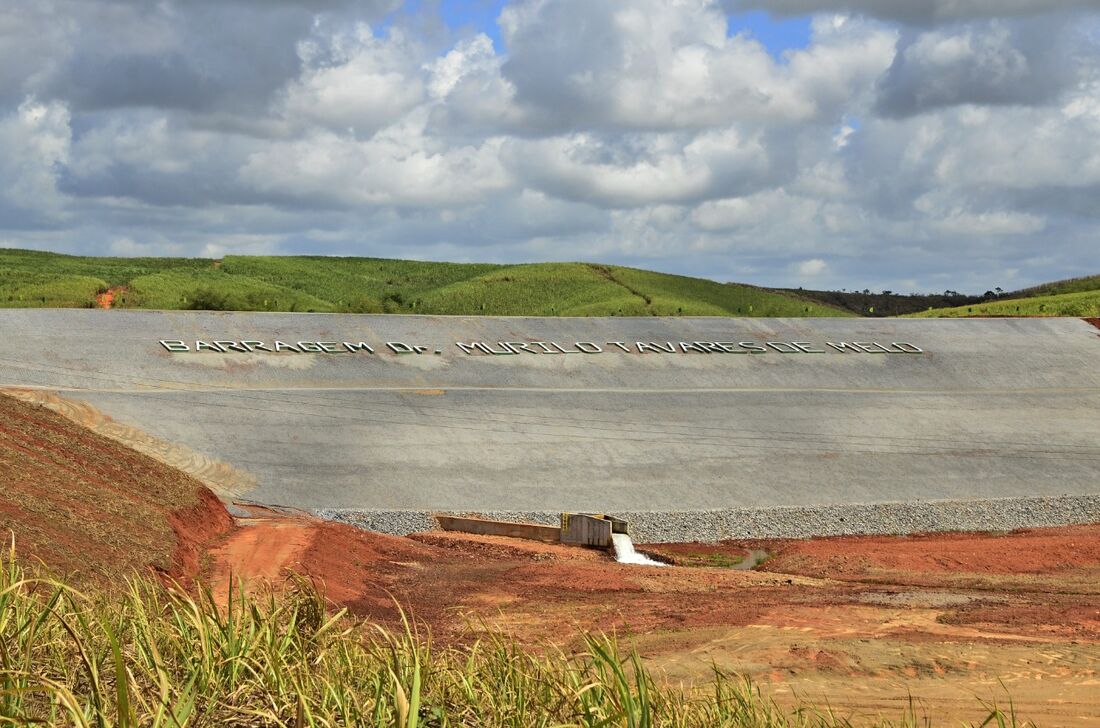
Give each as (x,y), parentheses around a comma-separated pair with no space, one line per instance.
(1083,304)
(672,295)
(114,271)
(216,290)
(25,289)
(380,285)
(713,559)
(539,289)
(363,285)
(1070,285)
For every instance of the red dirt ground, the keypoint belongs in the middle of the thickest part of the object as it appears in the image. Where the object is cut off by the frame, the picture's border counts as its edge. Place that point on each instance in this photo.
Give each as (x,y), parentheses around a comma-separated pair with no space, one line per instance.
(913,558)
(946,617)
(107,298)
(84,504)
(195,528)
(438,575)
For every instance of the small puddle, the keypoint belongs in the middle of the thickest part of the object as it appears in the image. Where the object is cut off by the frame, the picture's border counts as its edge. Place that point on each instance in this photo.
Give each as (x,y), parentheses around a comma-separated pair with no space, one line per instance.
(725,560)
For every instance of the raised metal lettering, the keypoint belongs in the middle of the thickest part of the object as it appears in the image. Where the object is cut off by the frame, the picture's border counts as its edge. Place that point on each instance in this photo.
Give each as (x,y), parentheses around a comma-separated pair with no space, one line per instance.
(489,350)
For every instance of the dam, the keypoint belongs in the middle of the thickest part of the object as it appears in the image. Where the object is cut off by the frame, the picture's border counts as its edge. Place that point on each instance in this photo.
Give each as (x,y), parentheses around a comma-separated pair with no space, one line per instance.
(692,428)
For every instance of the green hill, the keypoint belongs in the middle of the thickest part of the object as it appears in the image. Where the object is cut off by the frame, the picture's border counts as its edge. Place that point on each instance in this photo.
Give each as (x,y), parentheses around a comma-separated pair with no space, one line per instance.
(1070,297)
(376,285)
(1069,285)
(885,303)
(1085,304)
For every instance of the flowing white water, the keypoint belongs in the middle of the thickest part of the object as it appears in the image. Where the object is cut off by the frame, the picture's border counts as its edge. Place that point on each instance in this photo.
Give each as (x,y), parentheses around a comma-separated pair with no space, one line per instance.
(625,553)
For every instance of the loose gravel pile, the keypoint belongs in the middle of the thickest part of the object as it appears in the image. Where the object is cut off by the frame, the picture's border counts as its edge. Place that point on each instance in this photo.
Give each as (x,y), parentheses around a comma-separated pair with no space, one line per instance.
(1001,514)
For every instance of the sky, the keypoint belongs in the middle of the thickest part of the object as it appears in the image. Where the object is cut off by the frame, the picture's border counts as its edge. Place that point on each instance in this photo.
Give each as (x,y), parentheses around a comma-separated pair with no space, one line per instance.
(915,146)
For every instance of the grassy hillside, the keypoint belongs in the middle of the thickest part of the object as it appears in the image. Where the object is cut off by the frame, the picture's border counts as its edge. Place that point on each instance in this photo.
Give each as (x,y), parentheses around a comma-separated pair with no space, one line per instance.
(378,285)
(1069,285)
(1084,304)
(1069,297)
(885,303)
(373,285)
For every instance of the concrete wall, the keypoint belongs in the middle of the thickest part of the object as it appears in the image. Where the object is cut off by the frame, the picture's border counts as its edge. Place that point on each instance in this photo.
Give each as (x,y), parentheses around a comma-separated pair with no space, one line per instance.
(531,531)
(993,409)
(585,530)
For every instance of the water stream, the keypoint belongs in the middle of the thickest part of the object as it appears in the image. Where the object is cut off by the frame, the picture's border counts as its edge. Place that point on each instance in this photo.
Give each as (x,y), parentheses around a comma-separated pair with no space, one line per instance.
(625,553)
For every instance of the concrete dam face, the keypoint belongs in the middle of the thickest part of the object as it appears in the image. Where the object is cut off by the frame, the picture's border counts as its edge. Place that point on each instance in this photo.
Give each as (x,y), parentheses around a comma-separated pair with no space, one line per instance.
(692,428)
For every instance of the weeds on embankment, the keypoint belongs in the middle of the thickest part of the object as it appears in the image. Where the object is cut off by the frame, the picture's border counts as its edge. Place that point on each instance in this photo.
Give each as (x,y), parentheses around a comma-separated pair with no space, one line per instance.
(374,285)
(160,657)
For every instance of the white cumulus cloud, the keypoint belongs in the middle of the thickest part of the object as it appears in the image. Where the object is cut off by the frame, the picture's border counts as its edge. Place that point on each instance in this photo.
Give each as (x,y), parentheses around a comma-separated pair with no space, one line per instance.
(903,145)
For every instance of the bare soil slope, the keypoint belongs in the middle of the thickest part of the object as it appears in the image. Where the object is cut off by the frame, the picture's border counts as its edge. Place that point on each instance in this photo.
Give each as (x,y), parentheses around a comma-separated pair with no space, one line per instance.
(86,505)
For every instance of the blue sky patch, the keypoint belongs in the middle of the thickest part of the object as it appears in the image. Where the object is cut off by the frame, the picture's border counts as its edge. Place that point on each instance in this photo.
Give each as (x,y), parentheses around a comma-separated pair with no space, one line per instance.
(776,34)
(467,17)
(476,15)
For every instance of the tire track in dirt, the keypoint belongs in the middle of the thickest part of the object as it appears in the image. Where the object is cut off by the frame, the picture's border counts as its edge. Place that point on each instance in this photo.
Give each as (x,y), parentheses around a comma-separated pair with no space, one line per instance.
(258,550)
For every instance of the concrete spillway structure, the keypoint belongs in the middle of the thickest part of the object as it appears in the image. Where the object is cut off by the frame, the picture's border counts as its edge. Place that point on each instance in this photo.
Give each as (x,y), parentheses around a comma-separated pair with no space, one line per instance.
(994,423)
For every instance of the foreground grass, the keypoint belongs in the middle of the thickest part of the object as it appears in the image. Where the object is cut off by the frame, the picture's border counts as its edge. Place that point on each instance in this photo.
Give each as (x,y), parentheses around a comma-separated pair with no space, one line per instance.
(160,657)
(376,285)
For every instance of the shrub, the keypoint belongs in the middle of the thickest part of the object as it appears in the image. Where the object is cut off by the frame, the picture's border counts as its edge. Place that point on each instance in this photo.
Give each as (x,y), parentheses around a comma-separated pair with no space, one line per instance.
(207,299)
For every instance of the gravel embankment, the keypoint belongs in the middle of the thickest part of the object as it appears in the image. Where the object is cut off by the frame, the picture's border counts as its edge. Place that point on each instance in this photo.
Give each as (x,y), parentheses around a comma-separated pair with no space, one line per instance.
(1003,514)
